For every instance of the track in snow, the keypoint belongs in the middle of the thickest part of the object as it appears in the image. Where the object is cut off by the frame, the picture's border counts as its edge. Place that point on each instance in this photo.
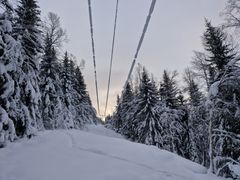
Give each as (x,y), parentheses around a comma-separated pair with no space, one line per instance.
(98,154)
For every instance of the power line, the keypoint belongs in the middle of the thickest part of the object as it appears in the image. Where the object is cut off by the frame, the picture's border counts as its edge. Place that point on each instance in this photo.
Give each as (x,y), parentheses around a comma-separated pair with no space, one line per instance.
(93,52)
(141,40)
(111,60)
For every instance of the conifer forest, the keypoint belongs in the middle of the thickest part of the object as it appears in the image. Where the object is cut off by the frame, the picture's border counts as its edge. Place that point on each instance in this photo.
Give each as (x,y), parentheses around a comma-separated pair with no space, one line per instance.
(193,115)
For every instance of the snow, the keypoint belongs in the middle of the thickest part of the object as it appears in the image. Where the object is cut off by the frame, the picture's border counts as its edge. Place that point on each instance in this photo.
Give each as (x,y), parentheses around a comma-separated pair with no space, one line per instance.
(235,169)
(233,61)
(213,91)
(92,154)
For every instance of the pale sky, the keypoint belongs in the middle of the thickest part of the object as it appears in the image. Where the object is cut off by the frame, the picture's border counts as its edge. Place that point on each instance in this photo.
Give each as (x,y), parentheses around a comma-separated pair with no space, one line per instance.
(174,32)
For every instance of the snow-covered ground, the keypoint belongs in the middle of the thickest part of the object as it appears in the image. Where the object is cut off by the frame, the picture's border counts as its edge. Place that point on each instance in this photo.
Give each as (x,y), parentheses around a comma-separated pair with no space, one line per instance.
(94,154)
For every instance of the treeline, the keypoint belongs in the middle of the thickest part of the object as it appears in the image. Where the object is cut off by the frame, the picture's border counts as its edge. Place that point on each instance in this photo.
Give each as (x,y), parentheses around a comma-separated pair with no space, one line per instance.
(39,89)
(200,124)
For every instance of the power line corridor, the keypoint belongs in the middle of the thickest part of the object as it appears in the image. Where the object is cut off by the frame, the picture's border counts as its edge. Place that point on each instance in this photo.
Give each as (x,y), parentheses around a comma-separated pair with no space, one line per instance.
(153,3)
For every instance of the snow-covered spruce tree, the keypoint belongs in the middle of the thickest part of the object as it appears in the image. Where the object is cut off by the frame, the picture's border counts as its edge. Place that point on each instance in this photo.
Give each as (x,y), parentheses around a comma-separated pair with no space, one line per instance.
(223,104)
(198,124)
(145,120)
(126,109)
(50,69)
(173,117)
(194,93)
(198,133)
(85,113)
(168,89)
(51,88)
(120,121)
(224,108)
(67,88)
(27,32)
(116,122)
(10,60)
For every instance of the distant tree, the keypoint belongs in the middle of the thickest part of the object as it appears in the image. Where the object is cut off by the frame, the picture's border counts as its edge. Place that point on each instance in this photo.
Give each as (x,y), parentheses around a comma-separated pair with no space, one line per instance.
(67,87)
(85,113)
(168,89)
(201,68)
(53,31)
(195,96)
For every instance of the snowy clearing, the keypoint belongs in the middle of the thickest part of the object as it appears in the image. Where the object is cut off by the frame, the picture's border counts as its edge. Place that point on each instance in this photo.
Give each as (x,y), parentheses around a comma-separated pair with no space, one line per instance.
(94,154)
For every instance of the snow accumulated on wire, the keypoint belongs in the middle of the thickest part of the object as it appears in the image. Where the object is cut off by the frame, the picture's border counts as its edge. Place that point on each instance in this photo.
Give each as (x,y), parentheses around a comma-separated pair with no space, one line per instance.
(141,39)
(93,52)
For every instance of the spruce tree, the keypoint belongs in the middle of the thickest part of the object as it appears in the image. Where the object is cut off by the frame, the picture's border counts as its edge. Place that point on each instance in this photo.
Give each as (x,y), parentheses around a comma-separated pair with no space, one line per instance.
(197,120)
(85,113)
(168,89)
(67,87)
(27,31)
(220,52)
(173,116)
(194,93)
(126,110)
(116,121)
(145,118)
(50,86)
(223,106)
(10,60)
(199,135)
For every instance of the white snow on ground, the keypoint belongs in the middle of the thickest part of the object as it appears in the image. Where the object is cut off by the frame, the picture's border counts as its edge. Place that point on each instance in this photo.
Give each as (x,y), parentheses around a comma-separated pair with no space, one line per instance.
(95,154)
(100,130)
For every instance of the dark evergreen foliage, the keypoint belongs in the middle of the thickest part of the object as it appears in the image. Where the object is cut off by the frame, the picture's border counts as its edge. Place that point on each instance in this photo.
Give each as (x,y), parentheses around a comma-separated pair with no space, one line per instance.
(220,52)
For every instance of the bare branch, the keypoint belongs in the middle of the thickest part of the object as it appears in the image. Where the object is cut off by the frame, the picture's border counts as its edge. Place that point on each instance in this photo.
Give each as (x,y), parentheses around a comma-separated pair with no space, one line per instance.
(53,30)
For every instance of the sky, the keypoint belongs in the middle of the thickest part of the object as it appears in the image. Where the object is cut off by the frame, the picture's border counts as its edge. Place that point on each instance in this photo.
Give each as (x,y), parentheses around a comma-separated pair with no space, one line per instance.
(174,33)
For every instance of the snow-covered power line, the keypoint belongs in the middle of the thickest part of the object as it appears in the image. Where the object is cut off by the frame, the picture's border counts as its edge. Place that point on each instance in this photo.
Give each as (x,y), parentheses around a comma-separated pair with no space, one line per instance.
(111,60)
(141,40)
(93,52)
